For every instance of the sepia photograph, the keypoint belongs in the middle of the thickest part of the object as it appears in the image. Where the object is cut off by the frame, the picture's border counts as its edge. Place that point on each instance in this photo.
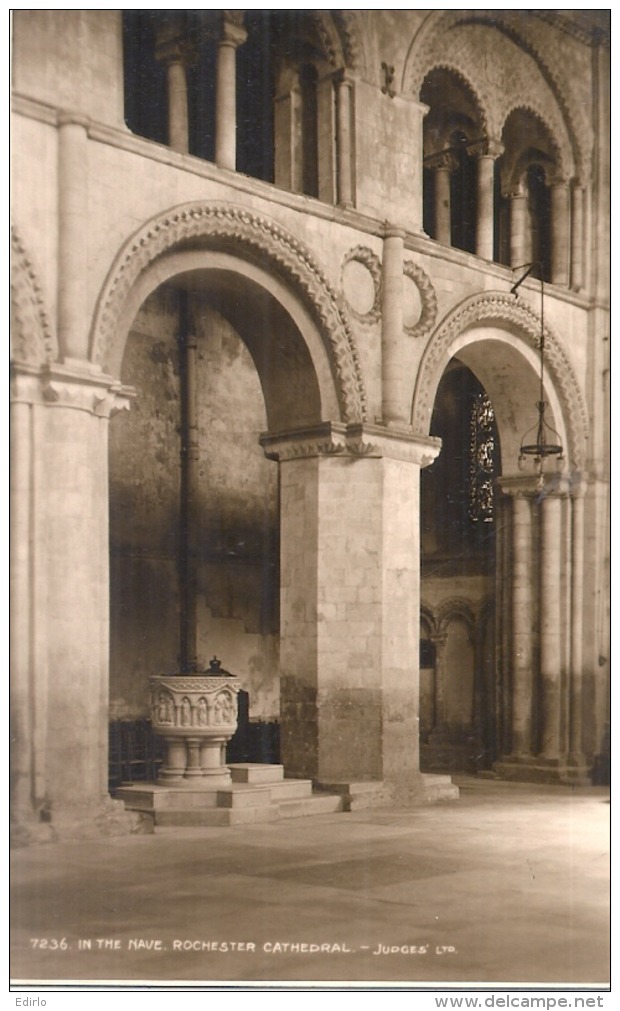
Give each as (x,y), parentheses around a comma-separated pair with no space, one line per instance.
(310,502)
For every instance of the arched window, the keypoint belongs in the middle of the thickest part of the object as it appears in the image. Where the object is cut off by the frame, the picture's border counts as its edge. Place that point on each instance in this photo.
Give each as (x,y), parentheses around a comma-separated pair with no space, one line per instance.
(452,132)
(528,164)
(539,214)
(463,195)
(458,498)
(146,90)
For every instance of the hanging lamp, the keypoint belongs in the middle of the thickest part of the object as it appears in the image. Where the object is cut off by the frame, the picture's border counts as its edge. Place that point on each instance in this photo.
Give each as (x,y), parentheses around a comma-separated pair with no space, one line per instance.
(547,444)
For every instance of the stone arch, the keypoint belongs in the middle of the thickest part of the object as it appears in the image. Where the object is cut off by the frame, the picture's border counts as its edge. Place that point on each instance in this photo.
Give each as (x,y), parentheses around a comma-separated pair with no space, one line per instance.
(562,170)
(516,327)
(250,237)
(422,56)
(428,618)
(329,37)
(32,335)
(456,607)
(462,74)
(352,40)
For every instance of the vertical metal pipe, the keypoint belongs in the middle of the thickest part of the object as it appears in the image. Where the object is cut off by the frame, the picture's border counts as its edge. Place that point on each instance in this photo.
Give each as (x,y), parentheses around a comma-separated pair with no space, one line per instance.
(188,560)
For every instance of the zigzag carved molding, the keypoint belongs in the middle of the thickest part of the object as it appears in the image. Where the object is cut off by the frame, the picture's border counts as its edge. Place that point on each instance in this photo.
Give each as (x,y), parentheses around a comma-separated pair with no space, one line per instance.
(250,236)
(517,317)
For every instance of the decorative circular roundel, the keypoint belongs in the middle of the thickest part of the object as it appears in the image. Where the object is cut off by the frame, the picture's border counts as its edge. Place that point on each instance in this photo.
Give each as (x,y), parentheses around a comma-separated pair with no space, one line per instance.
(419,301)
(361,283)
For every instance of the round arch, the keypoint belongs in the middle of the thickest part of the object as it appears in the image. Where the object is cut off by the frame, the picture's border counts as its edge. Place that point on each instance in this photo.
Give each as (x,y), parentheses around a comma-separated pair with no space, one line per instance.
(197,236)
(497,337)
(32,336)
(570,120)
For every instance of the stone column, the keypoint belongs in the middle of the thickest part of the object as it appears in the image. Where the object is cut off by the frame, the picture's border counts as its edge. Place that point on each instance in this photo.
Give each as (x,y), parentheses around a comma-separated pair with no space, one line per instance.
(439,641)
(575,743)
(550,626)
(517,228)
(486,199)
(66,696)
(178,120)
(233,35)
(27,628)
(396,402)
(560,234)
(443,222)
(288,149)
(577,251)
(72,236)
(350,597)
(173,50)
(343,141)
(522,626)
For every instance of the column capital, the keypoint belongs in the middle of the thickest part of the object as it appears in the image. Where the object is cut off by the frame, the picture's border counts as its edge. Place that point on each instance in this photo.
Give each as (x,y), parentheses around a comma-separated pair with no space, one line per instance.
(175,50)
(66,117)
(345,77)
(356,441)
(74,385)
(232,32)
(441,160)
(488,147)
(556,486)
(391,231)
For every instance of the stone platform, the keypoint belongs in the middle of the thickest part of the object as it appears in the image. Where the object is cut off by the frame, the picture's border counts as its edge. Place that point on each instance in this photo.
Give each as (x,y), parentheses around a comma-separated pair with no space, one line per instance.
(257,793)
(260,793)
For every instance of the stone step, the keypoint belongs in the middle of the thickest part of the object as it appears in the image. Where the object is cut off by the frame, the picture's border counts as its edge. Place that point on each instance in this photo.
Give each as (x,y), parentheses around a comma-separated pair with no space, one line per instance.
(241,796)
(251,772)
(304,807)
(216,816)
(438,788)
(160,798)
(289,789)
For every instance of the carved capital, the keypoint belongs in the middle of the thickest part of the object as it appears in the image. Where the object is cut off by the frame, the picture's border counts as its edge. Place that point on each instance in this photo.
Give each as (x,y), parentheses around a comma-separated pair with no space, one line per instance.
(354,441)
(175,50)
(488,147)
(326,439)
(233,32)
(441,160)
(393,443)
(90,391)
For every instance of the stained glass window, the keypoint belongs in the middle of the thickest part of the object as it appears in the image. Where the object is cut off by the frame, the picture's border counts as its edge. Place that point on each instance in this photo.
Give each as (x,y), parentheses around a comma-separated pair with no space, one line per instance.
(482,460)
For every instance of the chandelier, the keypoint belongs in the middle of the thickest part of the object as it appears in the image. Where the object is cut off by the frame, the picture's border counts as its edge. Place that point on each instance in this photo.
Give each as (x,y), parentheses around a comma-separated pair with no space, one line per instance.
(545,445)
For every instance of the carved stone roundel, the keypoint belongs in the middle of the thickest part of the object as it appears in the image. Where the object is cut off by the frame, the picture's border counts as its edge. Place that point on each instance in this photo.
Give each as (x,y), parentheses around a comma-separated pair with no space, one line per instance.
(420,301)
(361,283)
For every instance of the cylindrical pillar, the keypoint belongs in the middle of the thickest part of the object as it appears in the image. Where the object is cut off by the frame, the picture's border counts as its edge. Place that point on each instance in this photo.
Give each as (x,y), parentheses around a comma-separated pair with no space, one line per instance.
(343,136)
(395,407)
(550,625)
(178,123)
(560,245)
(522,622)
(484,228)
(175,762)
(226,96)
(443,228)
(517,228)
(576,624)
(439,699)
(72,229)
(577,224)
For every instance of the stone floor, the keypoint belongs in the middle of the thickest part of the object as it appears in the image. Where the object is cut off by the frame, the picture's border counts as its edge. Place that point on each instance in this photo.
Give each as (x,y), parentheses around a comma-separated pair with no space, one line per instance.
(508,885)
